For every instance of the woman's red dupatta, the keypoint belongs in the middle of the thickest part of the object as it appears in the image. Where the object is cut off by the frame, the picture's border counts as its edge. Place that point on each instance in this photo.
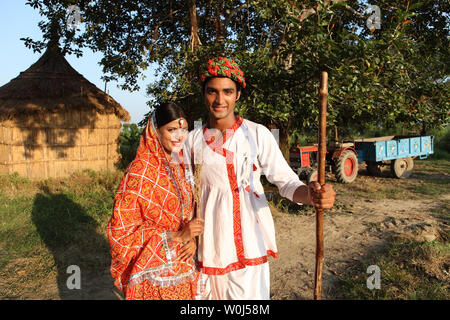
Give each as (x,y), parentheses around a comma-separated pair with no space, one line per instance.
(152,198)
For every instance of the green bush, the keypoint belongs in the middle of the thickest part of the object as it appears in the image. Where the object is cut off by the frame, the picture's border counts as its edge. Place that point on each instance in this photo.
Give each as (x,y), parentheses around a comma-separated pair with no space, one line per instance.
(129,142)
(441,143)
(442,139)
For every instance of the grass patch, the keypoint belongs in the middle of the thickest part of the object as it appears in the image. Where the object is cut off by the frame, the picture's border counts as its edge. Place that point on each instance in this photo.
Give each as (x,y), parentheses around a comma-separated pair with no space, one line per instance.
(374,189)
(442,210)
(51,224)
(57,211)
(435,188)
(409,271)
(442,165)
(430,178)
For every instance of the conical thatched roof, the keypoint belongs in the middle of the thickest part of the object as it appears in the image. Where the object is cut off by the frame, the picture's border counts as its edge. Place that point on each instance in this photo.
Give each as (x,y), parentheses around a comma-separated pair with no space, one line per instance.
(52,85)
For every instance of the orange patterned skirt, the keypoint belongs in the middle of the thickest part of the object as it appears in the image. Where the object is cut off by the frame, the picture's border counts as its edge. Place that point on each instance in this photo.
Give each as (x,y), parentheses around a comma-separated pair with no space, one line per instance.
(147,291)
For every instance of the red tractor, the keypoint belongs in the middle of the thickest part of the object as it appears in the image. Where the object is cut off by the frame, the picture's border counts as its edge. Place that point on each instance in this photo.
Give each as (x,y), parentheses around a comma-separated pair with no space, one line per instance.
(341,159)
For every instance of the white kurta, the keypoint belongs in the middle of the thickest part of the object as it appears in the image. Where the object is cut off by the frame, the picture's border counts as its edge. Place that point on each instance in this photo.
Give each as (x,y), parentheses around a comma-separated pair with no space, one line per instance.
(239,230)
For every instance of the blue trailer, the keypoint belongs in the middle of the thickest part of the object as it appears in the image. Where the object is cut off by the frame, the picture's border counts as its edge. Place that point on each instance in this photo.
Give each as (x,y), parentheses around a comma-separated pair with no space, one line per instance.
(398,151)
(344,157)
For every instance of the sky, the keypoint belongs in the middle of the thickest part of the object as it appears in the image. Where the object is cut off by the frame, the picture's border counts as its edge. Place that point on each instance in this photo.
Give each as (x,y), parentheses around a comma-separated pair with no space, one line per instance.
(18,20)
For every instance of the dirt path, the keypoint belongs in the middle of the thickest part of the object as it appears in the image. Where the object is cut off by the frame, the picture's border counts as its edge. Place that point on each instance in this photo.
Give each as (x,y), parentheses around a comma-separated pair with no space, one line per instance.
(347,237)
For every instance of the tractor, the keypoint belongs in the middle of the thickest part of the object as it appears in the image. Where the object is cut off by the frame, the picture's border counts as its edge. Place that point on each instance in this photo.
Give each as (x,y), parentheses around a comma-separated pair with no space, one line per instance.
(343,158)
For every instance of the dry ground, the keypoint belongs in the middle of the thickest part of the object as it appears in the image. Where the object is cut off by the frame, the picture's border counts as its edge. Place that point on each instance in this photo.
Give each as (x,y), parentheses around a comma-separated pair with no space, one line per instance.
(367,214)
(358,227)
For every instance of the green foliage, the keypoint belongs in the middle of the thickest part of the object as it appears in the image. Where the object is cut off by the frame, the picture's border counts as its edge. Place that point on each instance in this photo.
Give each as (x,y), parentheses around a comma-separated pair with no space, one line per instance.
(442,139)
(441,143)
(397,75)
(129,142)
(440,155)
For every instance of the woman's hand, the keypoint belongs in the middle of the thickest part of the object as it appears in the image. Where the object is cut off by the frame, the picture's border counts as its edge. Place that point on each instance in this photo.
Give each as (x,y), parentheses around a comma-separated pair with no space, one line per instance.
(187,251)
(192,229)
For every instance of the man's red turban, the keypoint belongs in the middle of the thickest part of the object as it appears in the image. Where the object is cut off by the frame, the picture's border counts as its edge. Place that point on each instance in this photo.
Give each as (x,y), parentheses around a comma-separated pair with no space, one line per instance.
(222,67)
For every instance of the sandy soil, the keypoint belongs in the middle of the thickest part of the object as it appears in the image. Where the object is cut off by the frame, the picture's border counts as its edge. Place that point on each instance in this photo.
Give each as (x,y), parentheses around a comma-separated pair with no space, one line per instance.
(347,238)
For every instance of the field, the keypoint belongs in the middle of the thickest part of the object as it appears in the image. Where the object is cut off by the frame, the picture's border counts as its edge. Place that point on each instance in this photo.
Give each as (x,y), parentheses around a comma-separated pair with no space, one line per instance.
(402,226)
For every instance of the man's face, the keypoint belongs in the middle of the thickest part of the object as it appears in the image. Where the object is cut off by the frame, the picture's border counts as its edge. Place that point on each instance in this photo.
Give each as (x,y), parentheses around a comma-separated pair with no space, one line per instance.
(220,97)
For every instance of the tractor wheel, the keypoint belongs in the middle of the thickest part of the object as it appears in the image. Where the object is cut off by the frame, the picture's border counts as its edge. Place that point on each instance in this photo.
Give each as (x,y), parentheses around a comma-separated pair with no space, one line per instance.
(347,167)
(373,168)
(312,176)
(402,168)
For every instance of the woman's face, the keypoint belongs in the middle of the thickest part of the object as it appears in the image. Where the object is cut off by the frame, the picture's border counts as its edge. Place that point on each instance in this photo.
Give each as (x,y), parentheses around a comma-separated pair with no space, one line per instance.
(173,134)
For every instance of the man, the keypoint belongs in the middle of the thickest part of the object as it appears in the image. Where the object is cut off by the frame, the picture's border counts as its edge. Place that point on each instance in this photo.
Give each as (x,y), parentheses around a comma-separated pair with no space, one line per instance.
(239,233)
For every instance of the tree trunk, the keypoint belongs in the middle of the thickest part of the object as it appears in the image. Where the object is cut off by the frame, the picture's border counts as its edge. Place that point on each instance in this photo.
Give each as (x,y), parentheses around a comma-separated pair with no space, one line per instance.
(284,143)
(423,132)
(195,40)
(220,32)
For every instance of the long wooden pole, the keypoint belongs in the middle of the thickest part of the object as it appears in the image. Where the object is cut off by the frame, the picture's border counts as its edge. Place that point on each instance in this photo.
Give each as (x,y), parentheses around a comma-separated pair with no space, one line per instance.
(323,93)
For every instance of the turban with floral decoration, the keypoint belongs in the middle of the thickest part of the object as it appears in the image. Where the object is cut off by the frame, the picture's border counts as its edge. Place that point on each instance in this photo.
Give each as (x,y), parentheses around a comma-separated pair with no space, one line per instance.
(222,67)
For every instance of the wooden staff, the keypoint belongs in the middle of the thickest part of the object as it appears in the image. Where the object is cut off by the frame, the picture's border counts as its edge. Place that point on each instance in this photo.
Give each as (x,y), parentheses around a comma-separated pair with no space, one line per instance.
(323,93)
(198,191)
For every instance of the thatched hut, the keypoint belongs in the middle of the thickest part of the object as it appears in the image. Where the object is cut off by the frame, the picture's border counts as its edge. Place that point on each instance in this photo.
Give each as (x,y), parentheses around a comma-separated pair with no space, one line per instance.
(54,122)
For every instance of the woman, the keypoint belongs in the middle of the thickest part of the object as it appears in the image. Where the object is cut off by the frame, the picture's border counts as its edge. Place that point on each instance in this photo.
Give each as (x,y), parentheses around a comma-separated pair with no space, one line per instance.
(151,232)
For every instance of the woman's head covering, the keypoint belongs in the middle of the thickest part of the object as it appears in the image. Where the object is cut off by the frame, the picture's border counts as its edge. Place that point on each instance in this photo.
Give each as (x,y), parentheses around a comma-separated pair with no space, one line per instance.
(152,198)
(158,168)
(223,67)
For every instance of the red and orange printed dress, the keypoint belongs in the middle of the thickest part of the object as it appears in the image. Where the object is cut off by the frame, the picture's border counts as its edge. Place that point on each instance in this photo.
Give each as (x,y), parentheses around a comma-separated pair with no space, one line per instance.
(152,199)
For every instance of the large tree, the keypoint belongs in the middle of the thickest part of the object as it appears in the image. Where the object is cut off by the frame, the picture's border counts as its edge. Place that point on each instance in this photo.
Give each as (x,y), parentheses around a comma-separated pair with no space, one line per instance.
(395,74)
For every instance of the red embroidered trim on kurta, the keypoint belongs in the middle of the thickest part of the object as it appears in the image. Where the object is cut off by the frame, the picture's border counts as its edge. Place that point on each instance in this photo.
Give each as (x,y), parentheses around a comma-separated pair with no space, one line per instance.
(217,146)
(236,207)
(237,265)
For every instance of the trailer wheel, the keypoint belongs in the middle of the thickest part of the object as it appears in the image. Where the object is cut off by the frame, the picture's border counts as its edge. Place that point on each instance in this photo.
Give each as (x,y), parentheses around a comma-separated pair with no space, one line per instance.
(347,167)
(373,168)
(402,168)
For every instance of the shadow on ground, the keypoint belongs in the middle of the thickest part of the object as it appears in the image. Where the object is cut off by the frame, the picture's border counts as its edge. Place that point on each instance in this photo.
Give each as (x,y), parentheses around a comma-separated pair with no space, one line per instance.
(70,234)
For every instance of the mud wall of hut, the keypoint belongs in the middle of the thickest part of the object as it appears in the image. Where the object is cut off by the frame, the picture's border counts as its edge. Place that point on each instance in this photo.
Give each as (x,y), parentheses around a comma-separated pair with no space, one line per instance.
(58,144)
